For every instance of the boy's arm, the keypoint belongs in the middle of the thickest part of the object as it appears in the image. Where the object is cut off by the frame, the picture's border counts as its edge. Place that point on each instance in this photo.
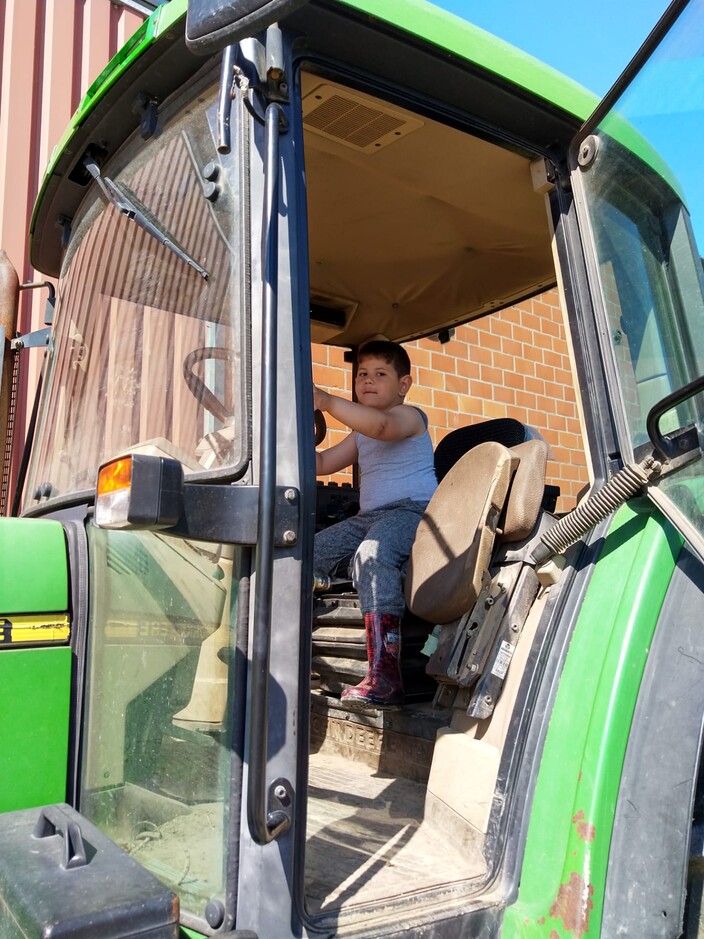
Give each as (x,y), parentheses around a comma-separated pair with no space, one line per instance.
(400,422)
(336,458)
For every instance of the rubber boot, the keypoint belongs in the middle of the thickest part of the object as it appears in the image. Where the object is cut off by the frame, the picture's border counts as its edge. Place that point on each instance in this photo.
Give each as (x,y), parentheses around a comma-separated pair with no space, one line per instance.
(382,685)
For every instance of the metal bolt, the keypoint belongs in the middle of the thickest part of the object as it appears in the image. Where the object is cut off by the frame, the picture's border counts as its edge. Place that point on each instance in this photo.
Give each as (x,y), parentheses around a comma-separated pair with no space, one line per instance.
(215,913)
(282,794)
(290,495)
(514,627)
(473,668)
(488,699)
(587,151)
(211,191)
(211,171)
(289,537)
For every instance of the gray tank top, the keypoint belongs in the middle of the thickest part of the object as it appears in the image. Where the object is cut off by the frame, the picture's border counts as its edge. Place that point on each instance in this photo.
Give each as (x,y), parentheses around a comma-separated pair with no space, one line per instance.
(390,470)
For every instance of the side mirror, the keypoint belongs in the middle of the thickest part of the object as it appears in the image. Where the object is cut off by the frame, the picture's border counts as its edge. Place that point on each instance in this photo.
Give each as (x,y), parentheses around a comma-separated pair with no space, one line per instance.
(214,24)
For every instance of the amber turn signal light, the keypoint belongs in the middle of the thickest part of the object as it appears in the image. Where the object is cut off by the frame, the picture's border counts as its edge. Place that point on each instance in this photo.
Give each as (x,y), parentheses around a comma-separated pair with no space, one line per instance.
(139,492)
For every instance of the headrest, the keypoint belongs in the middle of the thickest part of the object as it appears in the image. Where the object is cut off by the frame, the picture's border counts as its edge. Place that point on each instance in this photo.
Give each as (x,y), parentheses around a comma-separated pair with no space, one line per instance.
(453,543)
(505,430)
(526,493)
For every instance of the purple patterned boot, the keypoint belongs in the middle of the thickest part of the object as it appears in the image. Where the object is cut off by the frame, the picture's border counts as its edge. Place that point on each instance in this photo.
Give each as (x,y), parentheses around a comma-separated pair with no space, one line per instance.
(382,685)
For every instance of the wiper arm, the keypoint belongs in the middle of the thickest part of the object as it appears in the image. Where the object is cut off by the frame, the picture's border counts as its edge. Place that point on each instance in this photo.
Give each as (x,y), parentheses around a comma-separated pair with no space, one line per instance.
(127,207)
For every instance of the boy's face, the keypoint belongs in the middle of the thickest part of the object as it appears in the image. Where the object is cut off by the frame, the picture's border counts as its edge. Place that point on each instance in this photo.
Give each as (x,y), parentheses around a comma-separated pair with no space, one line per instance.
(378,386)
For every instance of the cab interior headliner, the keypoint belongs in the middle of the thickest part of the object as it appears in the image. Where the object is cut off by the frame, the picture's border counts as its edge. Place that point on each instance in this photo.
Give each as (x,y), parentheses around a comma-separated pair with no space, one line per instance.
(423,232)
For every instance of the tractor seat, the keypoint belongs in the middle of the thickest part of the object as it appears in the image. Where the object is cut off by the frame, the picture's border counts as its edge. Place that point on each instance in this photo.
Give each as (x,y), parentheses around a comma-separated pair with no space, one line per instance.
(491,492)
(463,578)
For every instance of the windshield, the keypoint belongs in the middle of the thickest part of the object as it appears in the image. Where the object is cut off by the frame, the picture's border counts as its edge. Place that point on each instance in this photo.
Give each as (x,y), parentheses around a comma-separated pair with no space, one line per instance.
(640,187)
(147,351)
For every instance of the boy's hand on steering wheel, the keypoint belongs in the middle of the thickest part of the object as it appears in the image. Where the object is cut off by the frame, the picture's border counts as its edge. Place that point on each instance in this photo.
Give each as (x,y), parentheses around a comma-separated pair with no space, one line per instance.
(321,399)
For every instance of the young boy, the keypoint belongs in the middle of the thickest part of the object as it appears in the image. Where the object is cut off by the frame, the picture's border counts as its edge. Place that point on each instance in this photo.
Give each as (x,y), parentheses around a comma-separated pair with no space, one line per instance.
(391,444)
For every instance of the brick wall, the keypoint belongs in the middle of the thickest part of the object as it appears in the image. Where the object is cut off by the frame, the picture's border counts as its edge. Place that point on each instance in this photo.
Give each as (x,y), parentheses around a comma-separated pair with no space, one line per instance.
(511,364)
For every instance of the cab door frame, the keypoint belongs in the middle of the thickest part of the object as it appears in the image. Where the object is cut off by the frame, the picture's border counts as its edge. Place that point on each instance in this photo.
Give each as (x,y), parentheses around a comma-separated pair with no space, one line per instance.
(281,393)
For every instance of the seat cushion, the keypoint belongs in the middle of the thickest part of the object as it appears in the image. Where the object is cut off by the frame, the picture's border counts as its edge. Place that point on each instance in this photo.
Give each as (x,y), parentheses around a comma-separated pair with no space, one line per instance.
(455,537)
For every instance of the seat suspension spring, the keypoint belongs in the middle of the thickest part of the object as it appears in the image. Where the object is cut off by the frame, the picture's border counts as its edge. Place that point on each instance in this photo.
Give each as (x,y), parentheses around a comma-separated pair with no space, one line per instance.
(569,529)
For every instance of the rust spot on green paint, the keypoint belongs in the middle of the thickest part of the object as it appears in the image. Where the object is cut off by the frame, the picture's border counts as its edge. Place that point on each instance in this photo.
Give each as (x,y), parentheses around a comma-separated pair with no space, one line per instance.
(541,920)
(574,904)
(585,831)
(554,934)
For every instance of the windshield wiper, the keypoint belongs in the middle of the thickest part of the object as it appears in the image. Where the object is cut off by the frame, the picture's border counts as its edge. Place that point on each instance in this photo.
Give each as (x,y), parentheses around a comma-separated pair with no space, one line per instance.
(127,207)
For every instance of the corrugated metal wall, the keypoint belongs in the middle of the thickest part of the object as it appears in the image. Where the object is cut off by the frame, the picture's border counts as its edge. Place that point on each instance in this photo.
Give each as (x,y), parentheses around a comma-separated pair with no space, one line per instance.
(50,53)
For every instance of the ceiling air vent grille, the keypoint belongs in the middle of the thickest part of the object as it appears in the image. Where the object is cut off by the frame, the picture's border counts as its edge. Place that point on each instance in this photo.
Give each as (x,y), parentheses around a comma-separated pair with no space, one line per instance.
(354,122)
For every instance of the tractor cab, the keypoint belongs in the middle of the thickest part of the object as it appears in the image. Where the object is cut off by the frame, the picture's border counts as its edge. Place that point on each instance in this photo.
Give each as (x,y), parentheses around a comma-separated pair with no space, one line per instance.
(248,193)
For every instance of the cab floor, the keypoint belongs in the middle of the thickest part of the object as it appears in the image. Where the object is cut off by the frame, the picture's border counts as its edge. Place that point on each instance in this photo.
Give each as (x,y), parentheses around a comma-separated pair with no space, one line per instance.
(367,841)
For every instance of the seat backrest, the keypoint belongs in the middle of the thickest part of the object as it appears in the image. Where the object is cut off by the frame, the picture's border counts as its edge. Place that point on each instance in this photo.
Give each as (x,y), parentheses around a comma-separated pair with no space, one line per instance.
(453,543)
(525,496)
(504,430)
(490,490)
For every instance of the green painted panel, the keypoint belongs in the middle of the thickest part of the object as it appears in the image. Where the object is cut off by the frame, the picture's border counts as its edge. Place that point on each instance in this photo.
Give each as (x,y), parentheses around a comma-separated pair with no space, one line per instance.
(567,850)
(34,570)
(455,35)
(161,20)
(417,17)
(35,687)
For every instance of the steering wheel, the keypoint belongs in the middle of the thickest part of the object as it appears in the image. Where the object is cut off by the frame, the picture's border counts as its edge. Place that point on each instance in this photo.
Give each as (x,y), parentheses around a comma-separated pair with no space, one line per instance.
(321,428)
(200,391)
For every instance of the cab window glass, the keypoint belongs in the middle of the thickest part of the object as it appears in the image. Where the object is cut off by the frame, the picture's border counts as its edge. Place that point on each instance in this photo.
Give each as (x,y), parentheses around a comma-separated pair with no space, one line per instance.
(157,734)
(640,192)
(147,351)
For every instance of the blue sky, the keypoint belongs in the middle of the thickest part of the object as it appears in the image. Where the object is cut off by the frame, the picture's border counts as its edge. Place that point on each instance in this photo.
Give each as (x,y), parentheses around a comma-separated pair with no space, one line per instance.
(591,42)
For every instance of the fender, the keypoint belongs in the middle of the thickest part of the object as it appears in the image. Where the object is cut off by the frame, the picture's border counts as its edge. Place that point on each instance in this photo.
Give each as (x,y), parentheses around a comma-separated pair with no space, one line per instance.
(35,663)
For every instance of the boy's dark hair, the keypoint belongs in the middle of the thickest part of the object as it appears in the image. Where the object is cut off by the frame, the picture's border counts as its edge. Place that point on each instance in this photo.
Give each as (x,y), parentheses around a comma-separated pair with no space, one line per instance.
(390,352)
